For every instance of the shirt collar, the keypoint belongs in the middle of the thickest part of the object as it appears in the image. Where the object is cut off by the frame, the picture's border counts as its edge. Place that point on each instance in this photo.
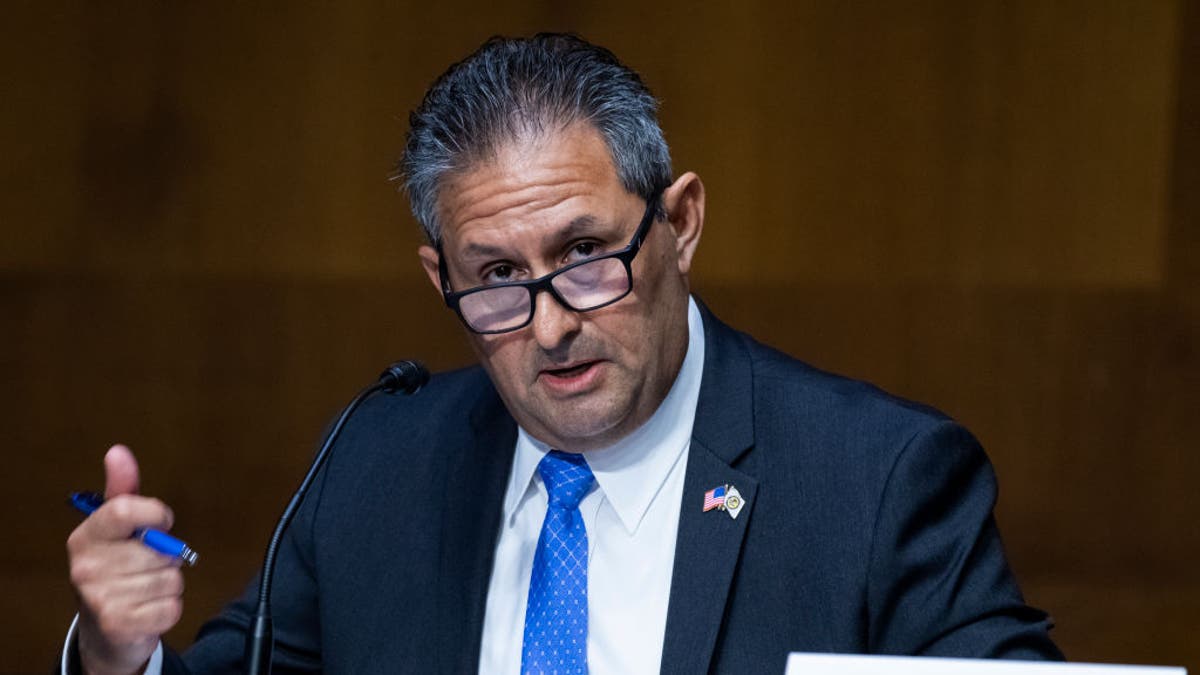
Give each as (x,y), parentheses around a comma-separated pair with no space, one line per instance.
(633,470)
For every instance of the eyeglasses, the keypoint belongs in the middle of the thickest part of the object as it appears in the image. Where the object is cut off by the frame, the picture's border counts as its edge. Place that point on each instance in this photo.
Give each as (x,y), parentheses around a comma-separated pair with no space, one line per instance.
(581,286)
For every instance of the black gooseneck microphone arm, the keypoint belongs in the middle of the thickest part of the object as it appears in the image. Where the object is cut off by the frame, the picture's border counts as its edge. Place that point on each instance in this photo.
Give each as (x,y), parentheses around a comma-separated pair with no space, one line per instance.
(402,376)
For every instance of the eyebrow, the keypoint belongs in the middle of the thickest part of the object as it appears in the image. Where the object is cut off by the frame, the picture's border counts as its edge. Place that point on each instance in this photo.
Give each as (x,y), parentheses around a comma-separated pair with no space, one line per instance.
(577,226)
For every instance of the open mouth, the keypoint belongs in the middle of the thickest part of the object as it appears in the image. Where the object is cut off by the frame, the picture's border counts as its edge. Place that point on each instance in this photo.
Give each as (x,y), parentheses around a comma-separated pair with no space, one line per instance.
(570,371)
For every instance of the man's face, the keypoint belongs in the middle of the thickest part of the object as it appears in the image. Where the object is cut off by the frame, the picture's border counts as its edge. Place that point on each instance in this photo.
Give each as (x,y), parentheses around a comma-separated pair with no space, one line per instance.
(576,381)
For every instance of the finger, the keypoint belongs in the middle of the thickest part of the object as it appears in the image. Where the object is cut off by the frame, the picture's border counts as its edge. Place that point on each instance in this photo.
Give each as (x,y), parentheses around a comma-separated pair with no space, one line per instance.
(125,592)
(108,560)
(119,517)
(120,472)
(156,616)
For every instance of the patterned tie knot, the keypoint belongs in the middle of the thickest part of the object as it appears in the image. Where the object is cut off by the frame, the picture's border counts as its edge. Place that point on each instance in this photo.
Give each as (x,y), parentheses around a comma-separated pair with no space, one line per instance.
(567,478)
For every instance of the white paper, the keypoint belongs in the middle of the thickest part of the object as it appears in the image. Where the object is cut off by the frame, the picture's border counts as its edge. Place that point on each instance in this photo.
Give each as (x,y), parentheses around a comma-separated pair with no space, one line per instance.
(842,664)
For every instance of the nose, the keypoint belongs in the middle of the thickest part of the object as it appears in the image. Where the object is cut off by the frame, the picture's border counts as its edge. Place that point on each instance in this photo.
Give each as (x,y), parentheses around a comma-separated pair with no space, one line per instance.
(553,325)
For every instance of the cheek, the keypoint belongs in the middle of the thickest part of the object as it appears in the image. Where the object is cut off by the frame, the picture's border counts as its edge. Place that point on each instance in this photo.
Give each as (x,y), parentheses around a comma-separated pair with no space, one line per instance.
(658,270)
(629,328)
(502,356)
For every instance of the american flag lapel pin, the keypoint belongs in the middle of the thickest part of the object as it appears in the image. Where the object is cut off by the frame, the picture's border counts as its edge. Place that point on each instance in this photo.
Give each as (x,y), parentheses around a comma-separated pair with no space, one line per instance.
(715,498)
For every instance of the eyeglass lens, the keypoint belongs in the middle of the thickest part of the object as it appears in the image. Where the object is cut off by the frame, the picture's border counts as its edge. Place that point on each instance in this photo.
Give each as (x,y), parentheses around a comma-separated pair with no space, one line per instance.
(583,287)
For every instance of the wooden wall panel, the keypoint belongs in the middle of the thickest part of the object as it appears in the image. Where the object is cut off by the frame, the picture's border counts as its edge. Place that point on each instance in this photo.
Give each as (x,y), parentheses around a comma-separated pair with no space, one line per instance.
(945,145)
(987,206)
(874,143)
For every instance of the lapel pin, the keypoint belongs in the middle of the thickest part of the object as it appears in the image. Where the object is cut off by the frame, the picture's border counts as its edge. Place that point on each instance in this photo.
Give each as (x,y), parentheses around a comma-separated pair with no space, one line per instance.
(724,498)
(733,501)
(714,499)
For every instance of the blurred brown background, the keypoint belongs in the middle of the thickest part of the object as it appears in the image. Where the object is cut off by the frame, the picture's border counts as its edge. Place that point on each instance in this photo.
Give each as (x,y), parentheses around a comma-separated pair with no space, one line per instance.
(989,206)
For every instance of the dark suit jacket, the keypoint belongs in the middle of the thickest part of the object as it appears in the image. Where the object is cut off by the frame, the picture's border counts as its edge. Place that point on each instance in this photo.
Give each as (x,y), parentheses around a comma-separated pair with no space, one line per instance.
(867,527)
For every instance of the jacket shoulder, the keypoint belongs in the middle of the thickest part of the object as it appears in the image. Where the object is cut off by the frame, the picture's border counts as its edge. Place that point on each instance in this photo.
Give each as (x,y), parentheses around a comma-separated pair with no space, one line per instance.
(831,425)
(787,382)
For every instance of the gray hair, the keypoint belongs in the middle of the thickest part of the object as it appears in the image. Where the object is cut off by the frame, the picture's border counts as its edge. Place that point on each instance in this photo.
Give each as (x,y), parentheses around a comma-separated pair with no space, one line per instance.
(512,87)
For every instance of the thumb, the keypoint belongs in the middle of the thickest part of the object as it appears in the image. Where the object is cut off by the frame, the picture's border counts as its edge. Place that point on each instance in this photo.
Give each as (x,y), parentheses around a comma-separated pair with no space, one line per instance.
(120,472)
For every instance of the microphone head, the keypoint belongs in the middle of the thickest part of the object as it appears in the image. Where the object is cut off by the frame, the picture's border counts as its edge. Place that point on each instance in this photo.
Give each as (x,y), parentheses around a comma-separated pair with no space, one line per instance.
(404,376)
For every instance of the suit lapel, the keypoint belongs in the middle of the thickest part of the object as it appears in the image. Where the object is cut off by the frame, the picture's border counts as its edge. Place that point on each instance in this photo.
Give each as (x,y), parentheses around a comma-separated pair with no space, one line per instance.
(709,544)
(476,478)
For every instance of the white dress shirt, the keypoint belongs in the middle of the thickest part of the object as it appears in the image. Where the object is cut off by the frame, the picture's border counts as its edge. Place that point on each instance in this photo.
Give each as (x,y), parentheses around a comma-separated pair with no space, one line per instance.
(631,515)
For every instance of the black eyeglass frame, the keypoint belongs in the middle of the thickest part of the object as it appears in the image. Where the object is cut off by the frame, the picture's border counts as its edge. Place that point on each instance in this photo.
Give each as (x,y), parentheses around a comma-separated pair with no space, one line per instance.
(544,283)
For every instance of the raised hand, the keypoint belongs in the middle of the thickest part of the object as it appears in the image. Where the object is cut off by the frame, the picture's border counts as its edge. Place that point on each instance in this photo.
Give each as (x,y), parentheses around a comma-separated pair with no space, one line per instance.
(129,595)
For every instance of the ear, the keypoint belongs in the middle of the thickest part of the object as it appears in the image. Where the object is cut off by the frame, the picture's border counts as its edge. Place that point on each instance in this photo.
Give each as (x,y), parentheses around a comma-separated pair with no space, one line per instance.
(684,202)
(429,260)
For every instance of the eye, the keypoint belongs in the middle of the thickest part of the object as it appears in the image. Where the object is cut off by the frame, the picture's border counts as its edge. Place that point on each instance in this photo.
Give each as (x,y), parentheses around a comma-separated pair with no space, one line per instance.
(499,274)
(582,250)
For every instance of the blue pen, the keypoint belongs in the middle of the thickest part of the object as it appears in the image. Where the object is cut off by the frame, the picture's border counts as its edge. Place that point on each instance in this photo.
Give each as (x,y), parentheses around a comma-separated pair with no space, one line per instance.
(87,502)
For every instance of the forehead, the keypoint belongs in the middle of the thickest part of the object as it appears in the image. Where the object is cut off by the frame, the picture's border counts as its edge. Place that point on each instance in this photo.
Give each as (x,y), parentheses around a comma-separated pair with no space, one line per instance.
(551,178)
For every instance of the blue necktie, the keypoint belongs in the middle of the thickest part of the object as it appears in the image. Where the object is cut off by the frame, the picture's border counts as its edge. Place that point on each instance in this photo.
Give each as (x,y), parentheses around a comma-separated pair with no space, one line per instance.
(556,617)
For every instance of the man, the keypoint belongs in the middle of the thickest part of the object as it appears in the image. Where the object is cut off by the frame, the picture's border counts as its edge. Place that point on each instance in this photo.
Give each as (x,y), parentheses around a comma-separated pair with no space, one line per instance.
(627,485)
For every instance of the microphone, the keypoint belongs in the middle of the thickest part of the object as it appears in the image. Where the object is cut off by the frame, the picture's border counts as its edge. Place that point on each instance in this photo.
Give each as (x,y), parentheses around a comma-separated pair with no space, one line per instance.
(403,376)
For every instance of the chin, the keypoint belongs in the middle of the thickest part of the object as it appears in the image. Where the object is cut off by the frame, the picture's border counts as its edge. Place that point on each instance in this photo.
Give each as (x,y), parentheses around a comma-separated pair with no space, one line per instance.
(584,427)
